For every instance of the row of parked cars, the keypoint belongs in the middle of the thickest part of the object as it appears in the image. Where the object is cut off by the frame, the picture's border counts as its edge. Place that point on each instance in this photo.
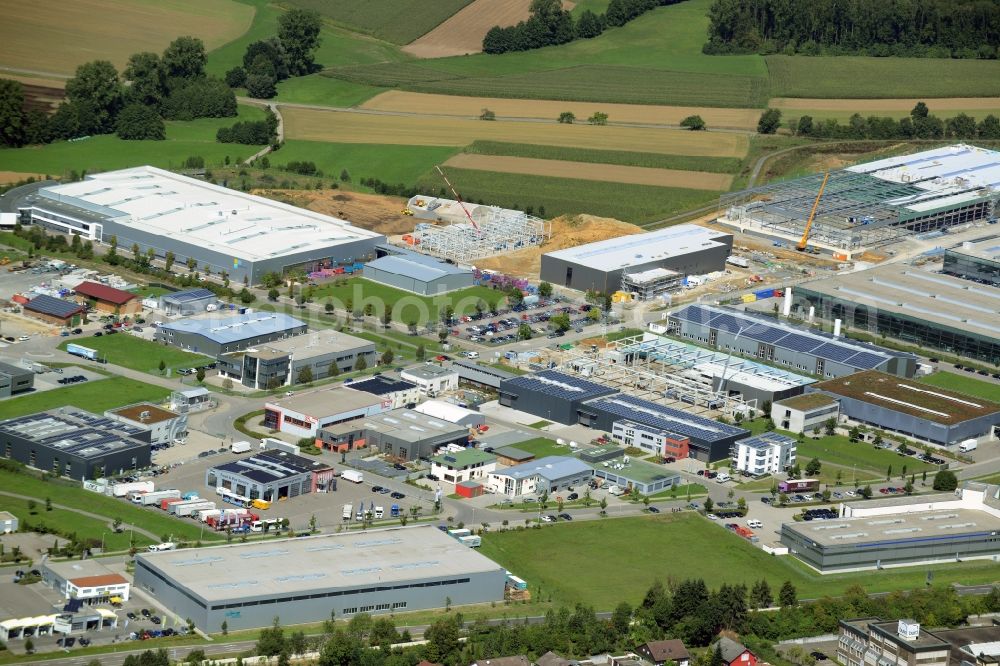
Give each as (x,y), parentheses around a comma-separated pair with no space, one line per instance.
(820,514)
(984,373)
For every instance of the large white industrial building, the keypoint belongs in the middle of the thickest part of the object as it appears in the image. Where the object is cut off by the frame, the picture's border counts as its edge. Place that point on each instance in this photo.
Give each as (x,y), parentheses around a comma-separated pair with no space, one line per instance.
(221,229)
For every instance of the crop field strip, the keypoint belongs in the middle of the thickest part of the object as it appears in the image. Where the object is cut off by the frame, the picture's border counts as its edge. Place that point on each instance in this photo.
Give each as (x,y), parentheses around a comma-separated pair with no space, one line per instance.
(411,102)
(593,171)
(347,127)
(57,36)
(595,83)
(397,21)
(727,165)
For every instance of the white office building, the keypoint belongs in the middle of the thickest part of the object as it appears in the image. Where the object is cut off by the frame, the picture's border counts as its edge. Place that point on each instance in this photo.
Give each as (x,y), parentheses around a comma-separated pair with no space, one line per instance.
(766,453)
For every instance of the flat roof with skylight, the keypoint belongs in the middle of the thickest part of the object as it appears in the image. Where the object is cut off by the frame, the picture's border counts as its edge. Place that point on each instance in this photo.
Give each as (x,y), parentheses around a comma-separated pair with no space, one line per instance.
(156,201)
(897,529)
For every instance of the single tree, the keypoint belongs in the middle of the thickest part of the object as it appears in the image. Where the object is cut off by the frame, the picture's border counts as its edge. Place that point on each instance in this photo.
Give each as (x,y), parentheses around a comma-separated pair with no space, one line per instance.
(163,366)
(769,121)
(567,117)
(361,363)
(298,32)
(945,480)
(200,374)
(305,375)
(598,118)
(787,596)
(694,123)
(185,58)
(486,114)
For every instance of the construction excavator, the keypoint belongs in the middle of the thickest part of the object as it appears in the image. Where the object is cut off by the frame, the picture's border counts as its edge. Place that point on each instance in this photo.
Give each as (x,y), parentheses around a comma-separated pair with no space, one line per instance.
(803,245)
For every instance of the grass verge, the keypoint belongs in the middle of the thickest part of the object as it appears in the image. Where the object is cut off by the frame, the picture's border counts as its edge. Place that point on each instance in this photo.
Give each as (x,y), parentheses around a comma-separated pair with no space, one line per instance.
(97,395)
(64,522)
(135,353)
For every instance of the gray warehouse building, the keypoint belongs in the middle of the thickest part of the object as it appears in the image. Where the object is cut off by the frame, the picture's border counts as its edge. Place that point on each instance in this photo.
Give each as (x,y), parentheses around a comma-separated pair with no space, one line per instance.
(759,336)
(188,302)
(305,579)
(271,475)
(951,314)
(15,380)
(226,230)
(216,336)
(708,439)
(916,410)
(551,395)
(478,374)
(417,273)
(74,443)
(688,249)
(403,433)
(977,261)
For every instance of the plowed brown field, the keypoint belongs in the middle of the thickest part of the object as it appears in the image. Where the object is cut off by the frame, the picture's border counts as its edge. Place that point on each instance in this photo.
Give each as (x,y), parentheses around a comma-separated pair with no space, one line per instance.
(448,105)
(463,32)
(695,180)
(351,127)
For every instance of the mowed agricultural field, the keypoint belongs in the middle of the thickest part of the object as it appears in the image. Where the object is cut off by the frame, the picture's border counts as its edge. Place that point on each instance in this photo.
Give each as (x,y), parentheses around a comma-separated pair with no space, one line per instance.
(397,21)
(727,165)
(390,164)
(710,552)
(856,77)
(449,105)
(593,171)
(637,204)
(464,31)
(57,36)
(349,127)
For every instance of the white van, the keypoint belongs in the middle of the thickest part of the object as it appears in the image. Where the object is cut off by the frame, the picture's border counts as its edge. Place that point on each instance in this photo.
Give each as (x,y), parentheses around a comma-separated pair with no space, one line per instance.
(723,477)
(379,512)
(968,445)
(753,523)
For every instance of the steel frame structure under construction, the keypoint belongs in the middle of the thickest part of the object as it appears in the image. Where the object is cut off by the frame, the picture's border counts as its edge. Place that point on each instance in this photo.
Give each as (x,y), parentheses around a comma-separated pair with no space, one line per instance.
(497,231)
(876,203)
(654,375)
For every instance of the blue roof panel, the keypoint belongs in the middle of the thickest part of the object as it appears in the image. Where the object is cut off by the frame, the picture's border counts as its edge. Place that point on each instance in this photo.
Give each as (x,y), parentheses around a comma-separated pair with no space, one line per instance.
(234,329)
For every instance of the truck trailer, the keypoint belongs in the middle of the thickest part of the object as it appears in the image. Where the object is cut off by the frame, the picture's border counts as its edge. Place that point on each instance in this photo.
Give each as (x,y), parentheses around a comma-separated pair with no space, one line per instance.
(154,498)
(240,447)
(123,489)
(798,485)
(352,475)
(188,508)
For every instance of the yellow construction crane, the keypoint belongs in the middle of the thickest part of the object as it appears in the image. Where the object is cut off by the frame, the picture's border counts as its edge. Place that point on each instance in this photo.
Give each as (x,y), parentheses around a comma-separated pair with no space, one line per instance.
(801,247)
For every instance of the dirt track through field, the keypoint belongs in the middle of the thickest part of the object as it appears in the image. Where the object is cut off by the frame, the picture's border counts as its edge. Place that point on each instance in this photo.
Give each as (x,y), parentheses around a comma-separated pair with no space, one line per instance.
(8,177)
(869,105)
(59,35)
(348,127)
(410,102)
(695,180)
(463,32)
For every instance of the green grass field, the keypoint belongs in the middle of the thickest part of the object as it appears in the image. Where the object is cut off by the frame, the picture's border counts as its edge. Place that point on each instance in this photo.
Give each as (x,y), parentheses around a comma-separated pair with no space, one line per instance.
(707,551)
(106,152)
(565,196)
(62,492)
(135,353)
(860,77)
(964,384)
(398,21)
(391,164)
(97,395)
(620,157)
(405,306)
(68,522)
(323,90)
(655,59)
(542,447)
(838,449)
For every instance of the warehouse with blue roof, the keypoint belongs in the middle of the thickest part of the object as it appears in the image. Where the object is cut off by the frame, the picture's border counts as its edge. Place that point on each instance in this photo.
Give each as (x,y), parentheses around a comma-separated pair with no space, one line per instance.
(417,273)
(215,336)
(785,345)
(552,395)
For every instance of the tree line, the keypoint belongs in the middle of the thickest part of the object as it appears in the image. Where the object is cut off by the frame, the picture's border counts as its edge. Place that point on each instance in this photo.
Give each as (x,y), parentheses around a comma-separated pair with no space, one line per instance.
(292,52)
(920,124)
(549,24)
(916,28)
(132,104)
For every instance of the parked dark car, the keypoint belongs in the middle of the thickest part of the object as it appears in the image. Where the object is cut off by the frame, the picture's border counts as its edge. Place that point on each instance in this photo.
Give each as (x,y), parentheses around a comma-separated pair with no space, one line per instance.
(653,509)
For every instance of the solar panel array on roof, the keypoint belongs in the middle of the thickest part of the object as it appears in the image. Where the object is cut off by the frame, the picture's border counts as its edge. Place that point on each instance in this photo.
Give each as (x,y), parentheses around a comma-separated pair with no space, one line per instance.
(269,466)
(55,307)
(665,418)
(381,385)
(757,327)
(74,432)
(558,385)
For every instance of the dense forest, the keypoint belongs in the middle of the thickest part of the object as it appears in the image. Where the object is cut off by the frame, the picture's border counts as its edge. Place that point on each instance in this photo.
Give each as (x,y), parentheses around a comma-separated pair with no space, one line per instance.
(920,28)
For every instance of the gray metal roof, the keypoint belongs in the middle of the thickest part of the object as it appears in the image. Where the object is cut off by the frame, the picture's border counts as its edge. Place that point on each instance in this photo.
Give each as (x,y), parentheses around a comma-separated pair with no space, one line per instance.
(285,567)
(625,251)
(187,296)
(235,329)
(552,468)
(417,267)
